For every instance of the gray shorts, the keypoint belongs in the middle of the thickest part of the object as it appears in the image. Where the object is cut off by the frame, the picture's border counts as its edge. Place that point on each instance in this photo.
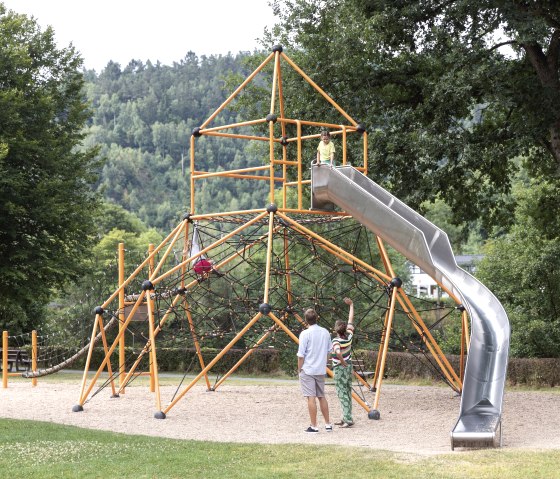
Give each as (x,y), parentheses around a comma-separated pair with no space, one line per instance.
(312,386)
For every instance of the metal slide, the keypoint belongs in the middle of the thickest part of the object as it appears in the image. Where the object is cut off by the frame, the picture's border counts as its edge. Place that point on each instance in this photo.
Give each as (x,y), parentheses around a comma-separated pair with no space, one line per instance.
(427,246)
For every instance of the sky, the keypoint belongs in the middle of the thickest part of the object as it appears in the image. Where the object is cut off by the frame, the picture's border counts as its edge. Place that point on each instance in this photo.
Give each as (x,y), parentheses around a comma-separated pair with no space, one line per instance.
(164,30)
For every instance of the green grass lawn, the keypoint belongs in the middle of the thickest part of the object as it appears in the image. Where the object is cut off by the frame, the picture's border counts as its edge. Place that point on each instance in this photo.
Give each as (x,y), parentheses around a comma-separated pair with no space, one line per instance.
(44,450)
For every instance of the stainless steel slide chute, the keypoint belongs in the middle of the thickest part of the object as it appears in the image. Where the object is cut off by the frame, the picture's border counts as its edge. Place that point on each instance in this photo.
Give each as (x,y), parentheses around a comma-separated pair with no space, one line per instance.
(427,246)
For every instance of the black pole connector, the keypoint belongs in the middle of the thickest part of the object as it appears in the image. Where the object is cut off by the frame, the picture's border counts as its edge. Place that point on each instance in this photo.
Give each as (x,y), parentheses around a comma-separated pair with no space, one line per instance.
(98,310)
(181,291)
(360,128)
(396,282)
(289,309)
(284,141)
(277,48)
(271,208)
(77,408)
(196,132)
(271,117)
(159,415)
(147,285)
(461,308)
(187,216)
(265,308)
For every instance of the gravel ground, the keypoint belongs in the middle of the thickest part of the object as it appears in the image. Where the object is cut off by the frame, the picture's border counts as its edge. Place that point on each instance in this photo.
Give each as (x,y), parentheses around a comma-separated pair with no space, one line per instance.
(414,419)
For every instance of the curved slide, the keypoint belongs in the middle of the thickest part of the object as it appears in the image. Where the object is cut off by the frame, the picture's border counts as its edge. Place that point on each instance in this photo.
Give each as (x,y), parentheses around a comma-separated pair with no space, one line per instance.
(427,246)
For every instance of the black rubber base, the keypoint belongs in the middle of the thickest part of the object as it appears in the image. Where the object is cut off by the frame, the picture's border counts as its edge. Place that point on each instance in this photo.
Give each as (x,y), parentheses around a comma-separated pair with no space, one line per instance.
(159,415)
(374,414)
(115,396)
(77,408)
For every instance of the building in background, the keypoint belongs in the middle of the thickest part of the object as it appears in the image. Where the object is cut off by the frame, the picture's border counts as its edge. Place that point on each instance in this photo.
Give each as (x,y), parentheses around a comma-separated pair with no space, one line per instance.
(423,285)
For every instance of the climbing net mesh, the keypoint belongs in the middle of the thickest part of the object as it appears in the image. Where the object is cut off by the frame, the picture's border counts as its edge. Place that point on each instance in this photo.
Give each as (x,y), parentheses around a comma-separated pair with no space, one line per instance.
(211,308)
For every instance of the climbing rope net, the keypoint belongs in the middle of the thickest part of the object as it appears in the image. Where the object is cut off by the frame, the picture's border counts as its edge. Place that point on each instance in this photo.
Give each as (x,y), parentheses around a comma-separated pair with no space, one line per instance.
(214,317)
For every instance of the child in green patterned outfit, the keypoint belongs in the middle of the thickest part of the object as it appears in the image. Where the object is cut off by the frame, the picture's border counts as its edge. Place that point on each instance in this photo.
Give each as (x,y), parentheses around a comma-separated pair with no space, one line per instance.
(342,364)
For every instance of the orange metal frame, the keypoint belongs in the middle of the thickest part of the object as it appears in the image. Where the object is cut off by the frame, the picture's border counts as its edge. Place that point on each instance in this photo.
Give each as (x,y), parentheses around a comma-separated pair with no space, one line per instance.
(277,172)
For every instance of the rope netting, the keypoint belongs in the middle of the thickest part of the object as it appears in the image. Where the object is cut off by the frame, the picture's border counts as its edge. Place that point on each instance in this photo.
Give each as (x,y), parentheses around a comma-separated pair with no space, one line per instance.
(204,312)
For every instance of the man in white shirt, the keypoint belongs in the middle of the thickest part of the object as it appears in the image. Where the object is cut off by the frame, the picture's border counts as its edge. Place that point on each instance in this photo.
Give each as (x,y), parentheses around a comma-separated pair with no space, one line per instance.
(314,346)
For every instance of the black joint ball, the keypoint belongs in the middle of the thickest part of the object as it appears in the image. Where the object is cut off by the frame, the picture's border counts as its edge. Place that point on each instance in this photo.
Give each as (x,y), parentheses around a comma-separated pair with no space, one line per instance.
(461,308)
(159,415)
(271,117)
(181,291)
(98,310)
(196,132)
(187,216)
(77,408)
(360,128)
(272,208)
(396,282)
(265,309)
(374,414)
(289,309)
(147,285)
(277,48)
(284,141)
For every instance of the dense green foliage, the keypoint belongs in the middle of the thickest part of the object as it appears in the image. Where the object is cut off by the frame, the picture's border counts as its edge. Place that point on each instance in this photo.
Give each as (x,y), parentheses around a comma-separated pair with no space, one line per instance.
(523,269)
(143,116)
(448,110)
(46,200)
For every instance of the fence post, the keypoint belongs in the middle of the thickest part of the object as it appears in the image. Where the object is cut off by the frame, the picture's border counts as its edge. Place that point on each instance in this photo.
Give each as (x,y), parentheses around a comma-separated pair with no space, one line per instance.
(4,359)
(34,356)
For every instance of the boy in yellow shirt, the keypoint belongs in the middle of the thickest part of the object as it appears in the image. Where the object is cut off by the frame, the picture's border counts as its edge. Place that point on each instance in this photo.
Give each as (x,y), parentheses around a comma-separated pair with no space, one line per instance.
(325,150)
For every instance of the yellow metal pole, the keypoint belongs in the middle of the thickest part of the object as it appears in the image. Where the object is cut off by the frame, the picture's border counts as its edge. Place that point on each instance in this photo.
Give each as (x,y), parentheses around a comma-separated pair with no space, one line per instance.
(196,344)
(384,338)
(385,257)
(141,266)
(336,250)
(213,362)
(269,255)
(208,248)
(34,356)
(88,360)
(239,88)
(300,166)
(314,85)
(106,349)
(251,350)
(464,343)
(430,342)
(4,359)
(386,346)
(83,395)
(365,153)
(146,347)
(192,176)
(344,149)
(153,362)
(148,299)
(271,153)
(274,81)
(122,359)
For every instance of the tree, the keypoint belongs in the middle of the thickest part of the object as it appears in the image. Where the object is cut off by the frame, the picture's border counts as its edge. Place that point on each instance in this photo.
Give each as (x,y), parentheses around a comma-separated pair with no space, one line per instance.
(523,269)
(446,106)
(46,198)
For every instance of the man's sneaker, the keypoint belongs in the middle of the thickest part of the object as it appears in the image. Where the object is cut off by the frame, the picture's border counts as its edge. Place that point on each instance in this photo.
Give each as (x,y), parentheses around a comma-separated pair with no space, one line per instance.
(312,430)
(328,427)
(339,423)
